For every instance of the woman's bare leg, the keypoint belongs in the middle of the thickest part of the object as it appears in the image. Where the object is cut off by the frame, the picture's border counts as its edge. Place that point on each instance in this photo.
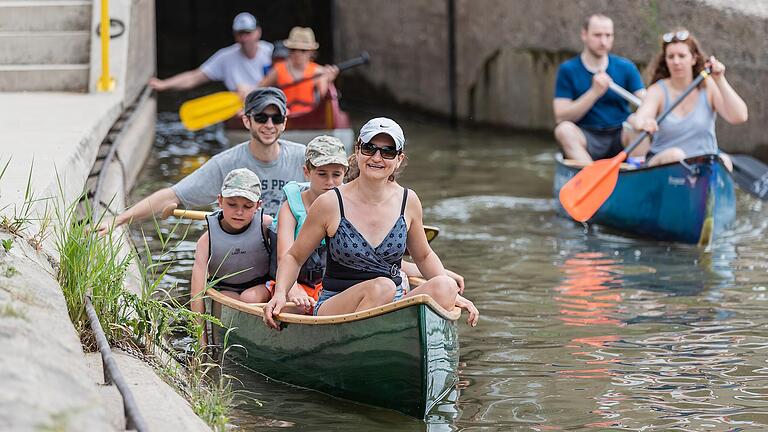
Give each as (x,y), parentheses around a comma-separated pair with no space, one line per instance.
(726,161)
(365,295)
(257,294)
(670,155)
(442,289)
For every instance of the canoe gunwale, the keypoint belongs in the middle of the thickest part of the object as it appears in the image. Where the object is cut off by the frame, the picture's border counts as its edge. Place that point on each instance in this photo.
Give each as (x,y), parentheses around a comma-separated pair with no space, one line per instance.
(253,309)
(627,169)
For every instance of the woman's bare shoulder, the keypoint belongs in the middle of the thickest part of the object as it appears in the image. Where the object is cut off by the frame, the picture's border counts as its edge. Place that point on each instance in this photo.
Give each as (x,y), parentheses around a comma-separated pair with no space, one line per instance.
(325,202)
(413,198)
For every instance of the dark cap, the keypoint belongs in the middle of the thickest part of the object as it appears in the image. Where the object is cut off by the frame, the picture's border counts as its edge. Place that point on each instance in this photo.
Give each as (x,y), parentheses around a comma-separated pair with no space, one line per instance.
(262,97)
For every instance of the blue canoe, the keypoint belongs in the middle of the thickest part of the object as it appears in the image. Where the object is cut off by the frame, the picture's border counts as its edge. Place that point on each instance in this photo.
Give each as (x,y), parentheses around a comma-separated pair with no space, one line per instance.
(690,202)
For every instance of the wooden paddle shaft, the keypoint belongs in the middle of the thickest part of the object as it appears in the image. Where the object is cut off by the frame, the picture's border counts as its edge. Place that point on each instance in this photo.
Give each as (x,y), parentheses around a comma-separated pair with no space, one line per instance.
(431,231)
(190,214)
(704,74)
(357,61)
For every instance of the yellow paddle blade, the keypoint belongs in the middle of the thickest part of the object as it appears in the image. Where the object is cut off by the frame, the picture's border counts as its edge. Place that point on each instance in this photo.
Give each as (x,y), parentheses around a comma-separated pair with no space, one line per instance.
(208,110)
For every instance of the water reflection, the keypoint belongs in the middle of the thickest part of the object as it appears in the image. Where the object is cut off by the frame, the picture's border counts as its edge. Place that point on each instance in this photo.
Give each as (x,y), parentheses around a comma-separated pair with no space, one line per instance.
(581,328)
(585,298)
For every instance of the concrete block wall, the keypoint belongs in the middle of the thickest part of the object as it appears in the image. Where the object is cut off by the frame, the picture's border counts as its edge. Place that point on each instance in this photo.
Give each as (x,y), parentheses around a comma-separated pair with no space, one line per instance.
(45,45)
(507,52)
(141,47)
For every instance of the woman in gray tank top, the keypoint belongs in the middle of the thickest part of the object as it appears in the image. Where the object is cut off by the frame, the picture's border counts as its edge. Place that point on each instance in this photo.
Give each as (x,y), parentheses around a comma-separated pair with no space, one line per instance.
(689,130)
(366,237)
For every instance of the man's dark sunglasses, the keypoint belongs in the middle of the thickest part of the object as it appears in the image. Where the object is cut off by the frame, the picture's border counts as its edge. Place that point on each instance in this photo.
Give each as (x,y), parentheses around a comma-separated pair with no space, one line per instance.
(264,117)
(368,149)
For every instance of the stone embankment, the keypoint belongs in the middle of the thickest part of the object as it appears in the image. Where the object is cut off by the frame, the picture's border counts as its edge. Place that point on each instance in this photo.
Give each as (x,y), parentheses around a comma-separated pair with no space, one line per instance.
(52,140)
(507,53)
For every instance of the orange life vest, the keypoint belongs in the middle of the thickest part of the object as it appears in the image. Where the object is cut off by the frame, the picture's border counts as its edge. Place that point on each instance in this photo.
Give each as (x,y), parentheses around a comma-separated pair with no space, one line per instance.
(301,97)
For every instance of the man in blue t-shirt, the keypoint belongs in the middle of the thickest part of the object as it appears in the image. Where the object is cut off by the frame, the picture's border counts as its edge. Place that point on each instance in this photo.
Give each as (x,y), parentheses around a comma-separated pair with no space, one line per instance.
(589,117)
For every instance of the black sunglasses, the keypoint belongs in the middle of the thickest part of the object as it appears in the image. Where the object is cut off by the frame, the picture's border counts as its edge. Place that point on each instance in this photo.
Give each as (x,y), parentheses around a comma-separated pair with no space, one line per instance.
(368,149)
(264,117)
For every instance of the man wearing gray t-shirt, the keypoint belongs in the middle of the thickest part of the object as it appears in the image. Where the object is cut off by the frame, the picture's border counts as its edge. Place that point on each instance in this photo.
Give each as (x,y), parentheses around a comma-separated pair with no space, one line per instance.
(275,161)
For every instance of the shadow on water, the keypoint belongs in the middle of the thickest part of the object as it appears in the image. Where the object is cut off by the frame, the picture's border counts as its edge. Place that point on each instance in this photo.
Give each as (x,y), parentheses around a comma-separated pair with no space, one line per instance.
(582,328)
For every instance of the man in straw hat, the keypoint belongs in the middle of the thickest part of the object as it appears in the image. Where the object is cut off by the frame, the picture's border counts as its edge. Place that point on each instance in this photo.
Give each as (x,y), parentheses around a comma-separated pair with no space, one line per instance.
(240,66)
(305,96)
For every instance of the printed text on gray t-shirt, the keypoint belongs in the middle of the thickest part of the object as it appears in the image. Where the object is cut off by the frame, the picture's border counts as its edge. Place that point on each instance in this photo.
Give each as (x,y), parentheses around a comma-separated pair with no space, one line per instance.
(203,186)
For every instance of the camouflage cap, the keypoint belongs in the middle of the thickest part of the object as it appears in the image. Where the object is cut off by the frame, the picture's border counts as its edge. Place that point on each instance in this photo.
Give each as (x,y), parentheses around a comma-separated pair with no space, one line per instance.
(326,150)
(242,182)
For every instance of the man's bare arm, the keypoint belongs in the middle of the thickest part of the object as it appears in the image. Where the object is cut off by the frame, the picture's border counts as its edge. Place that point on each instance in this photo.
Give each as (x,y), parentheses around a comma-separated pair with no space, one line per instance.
(574,110)
(153,204)
(183,81)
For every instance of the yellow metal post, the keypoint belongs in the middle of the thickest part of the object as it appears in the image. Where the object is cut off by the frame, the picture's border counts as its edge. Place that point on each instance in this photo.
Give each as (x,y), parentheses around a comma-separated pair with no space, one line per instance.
(106,83)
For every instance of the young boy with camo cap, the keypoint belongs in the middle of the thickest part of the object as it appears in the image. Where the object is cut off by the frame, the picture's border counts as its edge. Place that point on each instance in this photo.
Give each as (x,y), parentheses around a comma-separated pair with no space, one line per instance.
(233,256)
(325,164)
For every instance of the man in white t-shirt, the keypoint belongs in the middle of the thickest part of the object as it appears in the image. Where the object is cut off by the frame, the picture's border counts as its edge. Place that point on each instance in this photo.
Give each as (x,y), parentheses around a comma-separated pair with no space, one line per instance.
(240,66)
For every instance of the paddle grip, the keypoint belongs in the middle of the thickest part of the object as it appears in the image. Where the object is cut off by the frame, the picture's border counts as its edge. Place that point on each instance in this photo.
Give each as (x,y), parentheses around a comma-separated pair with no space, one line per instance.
(702,75)
(357,61)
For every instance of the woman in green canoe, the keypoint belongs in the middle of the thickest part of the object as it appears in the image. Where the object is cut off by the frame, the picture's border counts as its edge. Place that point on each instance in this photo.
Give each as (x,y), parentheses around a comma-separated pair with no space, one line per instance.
(367,223)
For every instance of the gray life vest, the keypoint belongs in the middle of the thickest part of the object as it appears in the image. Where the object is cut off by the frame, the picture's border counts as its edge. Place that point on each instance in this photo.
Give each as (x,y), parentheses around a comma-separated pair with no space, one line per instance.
(245,253)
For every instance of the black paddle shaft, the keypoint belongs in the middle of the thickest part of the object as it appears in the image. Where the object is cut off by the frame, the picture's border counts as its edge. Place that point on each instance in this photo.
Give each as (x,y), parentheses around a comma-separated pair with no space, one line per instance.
(704,74)
(357,61)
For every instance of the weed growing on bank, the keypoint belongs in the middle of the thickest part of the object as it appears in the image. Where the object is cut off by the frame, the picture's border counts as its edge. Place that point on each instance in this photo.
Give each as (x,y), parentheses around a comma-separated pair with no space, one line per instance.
(22,216)
(140,323)
(92,265)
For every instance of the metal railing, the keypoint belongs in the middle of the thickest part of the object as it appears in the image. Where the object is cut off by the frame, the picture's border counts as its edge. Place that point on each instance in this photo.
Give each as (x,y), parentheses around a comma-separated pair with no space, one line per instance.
(112,375)
(106,82)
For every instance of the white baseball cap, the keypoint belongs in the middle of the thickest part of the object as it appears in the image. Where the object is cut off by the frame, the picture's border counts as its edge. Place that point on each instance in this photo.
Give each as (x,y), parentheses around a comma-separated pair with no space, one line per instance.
(383,125)
(244,22)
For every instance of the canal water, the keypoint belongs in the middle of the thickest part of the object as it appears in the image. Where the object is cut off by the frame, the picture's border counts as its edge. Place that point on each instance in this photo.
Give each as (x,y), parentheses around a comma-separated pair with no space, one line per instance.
(581,328)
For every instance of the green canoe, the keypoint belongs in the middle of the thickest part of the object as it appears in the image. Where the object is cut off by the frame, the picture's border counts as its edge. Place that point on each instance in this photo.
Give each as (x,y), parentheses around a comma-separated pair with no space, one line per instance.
(402,356)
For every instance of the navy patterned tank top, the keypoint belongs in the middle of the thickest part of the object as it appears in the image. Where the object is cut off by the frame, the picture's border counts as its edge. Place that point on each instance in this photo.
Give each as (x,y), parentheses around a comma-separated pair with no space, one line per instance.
(351,259)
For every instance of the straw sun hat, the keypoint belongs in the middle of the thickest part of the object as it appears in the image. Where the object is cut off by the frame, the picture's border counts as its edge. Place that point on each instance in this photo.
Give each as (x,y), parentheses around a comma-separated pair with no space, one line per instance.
(301,38)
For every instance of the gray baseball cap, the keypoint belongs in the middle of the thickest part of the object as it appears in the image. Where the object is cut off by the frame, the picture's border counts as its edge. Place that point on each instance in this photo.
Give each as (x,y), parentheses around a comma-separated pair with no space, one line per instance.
(262,97)
(242,182)
(326,150)
(244,22)
(383,125)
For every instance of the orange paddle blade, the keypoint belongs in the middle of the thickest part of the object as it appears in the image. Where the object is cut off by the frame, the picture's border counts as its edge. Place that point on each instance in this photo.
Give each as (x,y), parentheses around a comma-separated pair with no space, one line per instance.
(208,110)
(583,195)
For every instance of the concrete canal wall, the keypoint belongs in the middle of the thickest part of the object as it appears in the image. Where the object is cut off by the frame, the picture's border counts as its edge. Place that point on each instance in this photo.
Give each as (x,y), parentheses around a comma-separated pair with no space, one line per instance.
(52,124)
(507,53)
